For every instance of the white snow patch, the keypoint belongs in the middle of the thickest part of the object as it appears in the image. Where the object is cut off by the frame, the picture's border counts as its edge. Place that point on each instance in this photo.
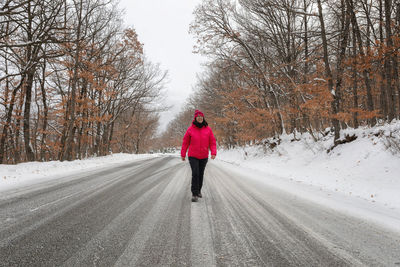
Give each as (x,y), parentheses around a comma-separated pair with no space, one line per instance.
(12,176)
(366,168)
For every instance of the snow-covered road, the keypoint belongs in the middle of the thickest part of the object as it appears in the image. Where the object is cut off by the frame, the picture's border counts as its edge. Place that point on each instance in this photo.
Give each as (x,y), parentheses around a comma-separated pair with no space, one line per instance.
(140,214)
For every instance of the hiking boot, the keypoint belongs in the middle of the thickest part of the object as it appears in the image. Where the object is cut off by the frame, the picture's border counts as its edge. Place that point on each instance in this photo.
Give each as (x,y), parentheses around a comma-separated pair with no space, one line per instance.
(194,198)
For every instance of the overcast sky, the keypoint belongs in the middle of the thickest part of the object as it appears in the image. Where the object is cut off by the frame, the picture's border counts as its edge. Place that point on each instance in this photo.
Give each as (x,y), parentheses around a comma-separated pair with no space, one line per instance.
(162,26)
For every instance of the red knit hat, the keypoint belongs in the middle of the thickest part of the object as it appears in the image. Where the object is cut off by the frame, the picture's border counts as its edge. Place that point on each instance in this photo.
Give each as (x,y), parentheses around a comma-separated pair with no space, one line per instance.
(198,113)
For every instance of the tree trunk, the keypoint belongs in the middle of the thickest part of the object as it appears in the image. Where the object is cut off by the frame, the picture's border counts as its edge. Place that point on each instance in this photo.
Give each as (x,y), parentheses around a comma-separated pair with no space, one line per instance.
(18,147)
(355,96)
(110,136)
(8,110)
(28,88)
(45,116)
(383,97)
(342,53)
(68,140)
(396,60)
(370,103)
(306,53)
(8,122)
(82,127)
(328,72)
(26,122)
(388,62)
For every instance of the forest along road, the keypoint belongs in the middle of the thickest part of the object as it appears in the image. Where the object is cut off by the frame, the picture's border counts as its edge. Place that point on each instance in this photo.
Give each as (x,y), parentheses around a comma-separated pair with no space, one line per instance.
(140,214)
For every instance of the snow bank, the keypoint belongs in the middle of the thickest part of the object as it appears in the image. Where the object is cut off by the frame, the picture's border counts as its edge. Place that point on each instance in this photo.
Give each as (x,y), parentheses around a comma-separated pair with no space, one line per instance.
(31,172)
(367,168)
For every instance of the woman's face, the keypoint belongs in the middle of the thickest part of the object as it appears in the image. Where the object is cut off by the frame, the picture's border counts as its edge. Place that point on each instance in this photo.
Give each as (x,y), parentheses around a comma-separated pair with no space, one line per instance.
(199,119)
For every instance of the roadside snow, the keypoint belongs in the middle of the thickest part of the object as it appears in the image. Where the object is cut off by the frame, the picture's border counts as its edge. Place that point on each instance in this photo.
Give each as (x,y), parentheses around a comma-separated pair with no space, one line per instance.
(367,168)
(22,174)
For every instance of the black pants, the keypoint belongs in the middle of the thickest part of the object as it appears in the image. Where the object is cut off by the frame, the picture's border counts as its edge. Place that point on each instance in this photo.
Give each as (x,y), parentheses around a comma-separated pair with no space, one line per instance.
(198,166)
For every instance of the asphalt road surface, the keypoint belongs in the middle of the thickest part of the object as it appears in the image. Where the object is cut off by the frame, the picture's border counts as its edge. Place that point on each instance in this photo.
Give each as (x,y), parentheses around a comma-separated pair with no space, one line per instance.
(140,214)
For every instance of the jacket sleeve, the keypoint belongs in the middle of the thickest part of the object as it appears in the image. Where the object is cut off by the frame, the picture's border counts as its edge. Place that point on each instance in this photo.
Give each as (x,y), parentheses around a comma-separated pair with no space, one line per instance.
(185,143)
(213,143)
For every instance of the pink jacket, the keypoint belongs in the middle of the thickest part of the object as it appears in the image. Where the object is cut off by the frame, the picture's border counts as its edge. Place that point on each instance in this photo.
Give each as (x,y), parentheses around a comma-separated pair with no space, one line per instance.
(199,141)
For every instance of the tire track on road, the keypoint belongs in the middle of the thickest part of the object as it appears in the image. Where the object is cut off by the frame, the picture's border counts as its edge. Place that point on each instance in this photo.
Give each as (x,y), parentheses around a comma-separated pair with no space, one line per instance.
(77,221)
(138,250)
(286,230)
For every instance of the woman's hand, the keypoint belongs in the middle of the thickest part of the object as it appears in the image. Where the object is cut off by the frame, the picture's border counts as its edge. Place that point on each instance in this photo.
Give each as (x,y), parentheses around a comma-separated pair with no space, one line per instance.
(212,156)
(183,158)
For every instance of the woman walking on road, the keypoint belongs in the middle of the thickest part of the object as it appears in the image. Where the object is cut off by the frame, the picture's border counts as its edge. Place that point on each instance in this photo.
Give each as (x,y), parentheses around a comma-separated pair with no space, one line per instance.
(199,138)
